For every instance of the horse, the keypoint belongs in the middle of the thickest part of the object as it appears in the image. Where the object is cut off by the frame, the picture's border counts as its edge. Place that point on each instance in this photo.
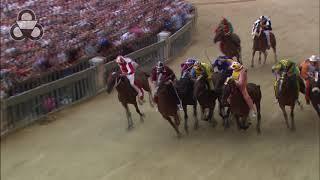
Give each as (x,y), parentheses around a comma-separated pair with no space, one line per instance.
(218,84)
(167,104)
(126,94)
(315,94)
(260,44)
(238,105)
(206,99)
(288,95)
(230,45)
(185,87)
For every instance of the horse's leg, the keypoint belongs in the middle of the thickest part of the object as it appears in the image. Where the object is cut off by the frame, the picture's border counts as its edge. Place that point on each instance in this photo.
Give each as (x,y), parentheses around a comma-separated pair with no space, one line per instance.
(195,115)
(211,118)
(185,110)
(150,99)
(275,54)
(252,60)
(139,112)
(259,57)
(285,115)
(258,118)
(265,53)
(172,124)
(202,115)
(245,124)
(177,119)
(238,122)
(293,126)
(129,118)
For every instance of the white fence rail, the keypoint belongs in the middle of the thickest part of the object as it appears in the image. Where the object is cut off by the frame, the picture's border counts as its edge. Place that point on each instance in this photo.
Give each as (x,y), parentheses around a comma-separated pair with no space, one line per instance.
(26,108)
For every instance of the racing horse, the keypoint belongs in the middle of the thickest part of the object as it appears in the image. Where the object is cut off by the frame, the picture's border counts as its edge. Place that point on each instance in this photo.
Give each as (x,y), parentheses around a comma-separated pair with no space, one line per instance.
(206,99)
(231,95)
(288,95)
(315,93)
(230,45)
(126,93)
(185,86)
(260,44)
(167,104)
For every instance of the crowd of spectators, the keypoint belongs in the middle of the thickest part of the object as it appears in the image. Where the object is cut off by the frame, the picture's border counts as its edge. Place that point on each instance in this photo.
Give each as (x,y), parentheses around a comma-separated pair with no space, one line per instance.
(78,28)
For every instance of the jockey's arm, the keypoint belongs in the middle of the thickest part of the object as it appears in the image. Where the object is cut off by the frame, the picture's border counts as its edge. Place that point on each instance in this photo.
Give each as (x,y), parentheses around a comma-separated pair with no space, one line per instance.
(242,79)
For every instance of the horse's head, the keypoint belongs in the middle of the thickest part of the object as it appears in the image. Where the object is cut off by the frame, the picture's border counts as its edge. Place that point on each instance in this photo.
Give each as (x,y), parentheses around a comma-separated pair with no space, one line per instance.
(112,80)
(184,84)
(227,90)
(219,34)
(200,85)
(283,81)
(218,81)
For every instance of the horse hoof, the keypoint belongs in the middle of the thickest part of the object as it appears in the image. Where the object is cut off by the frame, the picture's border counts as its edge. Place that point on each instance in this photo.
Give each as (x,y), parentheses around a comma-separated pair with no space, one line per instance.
(130,127)
(214,124)
(179,135)
(259,132)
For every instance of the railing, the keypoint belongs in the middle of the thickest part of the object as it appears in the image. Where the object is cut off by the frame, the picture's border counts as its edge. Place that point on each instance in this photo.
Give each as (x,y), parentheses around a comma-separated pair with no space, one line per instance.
(27,107)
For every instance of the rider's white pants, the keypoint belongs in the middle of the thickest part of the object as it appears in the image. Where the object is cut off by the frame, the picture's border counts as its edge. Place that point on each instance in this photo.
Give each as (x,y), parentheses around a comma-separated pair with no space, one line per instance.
(267,33)
(131,80)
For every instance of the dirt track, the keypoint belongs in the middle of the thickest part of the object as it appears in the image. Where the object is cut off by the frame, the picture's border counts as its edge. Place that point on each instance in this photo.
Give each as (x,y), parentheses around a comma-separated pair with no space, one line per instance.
(89,141)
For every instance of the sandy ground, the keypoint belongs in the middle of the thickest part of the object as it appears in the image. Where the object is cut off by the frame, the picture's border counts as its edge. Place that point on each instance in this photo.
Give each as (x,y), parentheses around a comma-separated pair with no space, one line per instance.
(89,141)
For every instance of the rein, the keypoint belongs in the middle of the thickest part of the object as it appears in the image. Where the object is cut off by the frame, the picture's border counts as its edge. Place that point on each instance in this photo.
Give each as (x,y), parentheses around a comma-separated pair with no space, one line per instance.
(118,81)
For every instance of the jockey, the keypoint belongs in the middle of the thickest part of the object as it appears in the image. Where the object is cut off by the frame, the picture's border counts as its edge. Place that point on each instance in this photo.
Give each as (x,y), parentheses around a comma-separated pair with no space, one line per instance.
(187,66)
(205,70)
(290,68)
(162,73)
(223,63)
(265,24)
(240,76)
(307,71)
(128,68)
(227,26)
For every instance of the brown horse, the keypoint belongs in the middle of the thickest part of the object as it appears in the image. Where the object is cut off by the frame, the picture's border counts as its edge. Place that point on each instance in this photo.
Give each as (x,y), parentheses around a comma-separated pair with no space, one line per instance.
(288,95)
(184,88)
(167,104)
(218,83)
(126,94)
(315,94)
(260,44)
(206,99)
(230,45)
(238,105)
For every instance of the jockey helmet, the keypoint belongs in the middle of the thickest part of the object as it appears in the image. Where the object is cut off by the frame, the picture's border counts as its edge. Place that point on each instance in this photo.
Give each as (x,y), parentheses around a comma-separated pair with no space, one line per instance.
(120,60)
(160,66)
(191,60)
(262,18)
(236,66)
(313,58)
